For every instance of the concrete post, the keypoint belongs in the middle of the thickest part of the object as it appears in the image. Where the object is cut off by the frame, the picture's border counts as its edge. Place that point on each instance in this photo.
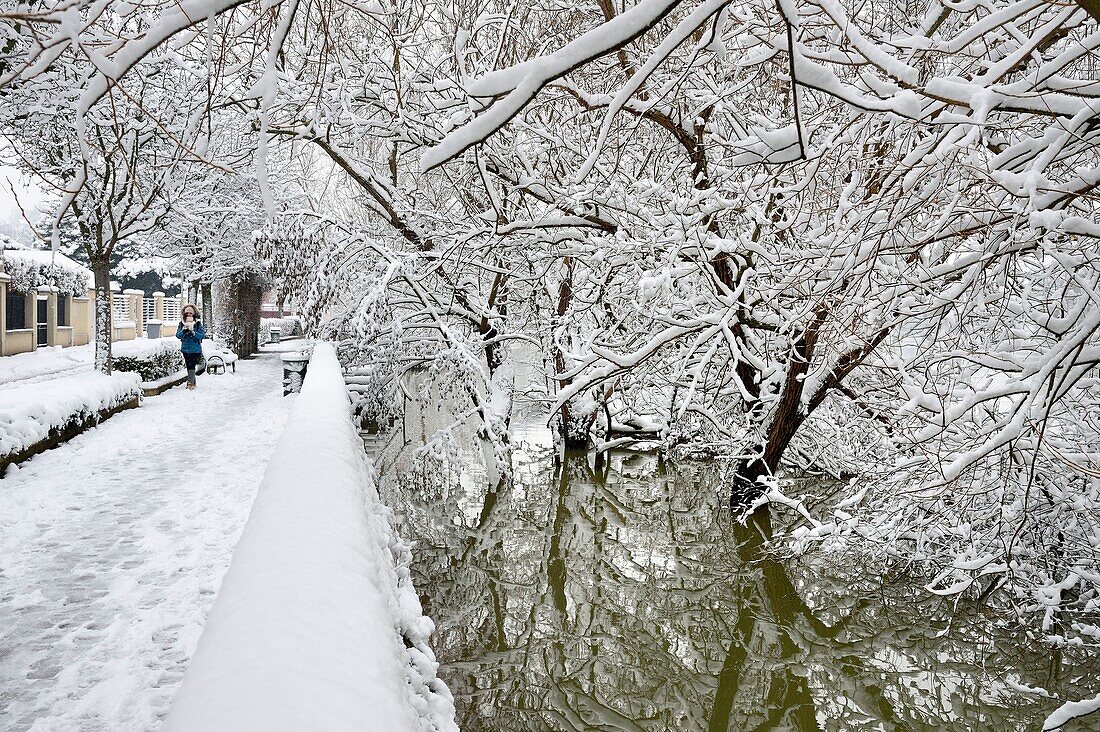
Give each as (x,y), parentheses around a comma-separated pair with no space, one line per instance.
(137,315)
(51,314)
(158,311)
(80,318)
(30,320)
(115,289)
(89,320)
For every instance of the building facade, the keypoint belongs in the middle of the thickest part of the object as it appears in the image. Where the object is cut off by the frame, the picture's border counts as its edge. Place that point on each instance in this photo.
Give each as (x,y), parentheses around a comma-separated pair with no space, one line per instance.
(36,315)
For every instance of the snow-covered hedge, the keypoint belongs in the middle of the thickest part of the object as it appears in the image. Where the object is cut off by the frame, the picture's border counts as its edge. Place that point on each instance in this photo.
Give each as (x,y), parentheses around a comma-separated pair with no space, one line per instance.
(288,326)
(153,358)
(28,274)
(37,412)
(317,624)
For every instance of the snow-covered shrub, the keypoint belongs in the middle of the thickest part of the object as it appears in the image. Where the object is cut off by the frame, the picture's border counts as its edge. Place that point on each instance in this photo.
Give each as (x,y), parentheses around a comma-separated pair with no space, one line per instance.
(27,275)
(374,398)
(152,359)
(33,413)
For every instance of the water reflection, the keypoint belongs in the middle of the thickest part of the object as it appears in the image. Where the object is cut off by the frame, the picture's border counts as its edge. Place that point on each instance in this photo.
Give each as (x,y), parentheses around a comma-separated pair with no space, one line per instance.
(624,598)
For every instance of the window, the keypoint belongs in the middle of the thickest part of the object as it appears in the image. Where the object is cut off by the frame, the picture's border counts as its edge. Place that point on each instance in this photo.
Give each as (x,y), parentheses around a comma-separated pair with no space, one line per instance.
(63,310)
(17,312)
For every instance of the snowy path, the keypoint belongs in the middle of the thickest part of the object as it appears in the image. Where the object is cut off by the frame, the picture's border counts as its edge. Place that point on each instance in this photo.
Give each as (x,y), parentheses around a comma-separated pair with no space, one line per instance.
(112,548)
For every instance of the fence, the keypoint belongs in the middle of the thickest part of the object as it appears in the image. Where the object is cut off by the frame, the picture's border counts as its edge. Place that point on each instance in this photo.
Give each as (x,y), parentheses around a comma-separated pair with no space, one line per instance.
(148,309)
(28,324)
(171,310)
(120,309)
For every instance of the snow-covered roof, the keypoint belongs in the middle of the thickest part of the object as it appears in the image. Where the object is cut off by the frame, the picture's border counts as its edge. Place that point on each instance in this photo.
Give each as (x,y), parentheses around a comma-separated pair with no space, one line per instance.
(46,256)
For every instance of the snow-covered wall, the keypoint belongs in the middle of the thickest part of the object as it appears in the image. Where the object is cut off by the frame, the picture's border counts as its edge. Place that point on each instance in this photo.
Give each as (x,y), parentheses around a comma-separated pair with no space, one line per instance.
(316,625)
(28,414)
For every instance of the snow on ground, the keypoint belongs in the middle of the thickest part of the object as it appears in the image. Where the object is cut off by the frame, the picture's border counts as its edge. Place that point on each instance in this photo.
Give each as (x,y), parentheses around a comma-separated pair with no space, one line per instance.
(113,546)
(54,362)
(45,363)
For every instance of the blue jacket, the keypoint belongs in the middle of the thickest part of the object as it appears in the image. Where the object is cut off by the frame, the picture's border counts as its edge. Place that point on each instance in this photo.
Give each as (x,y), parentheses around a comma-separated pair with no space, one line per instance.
(191,340)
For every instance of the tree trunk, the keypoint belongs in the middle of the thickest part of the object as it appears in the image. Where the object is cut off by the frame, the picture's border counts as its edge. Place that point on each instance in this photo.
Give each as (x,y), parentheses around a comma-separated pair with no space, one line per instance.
(208,310)
(238,314)
(250,299)
(1092,7)
(101,272)
(748,479)
(573,423)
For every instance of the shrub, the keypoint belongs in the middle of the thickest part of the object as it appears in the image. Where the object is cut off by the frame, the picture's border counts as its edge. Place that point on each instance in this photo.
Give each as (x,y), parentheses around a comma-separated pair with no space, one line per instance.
(152,364)
(27,275)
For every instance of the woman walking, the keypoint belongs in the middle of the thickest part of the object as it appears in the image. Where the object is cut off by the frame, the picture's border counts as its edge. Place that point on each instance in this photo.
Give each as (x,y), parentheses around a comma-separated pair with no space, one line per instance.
(190,333)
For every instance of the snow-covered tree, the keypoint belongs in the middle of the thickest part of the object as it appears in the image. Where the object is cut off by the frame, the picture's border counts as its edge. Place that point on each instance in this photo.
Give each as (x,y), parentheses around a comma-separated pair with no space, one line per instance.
(837,237)
(111,158)
(856,240)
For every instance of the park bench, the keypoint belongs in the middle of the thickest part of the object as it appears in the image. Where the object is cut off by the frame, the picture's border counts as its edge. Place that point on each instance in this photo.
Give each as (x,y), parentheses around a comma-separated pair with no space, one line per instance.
(217,360)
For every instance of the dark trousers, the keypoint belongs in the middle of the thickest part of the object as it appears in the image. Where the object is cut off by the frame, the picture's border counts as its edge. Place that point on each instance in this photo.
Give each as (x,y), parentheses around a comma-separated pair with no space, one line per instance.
(192,361)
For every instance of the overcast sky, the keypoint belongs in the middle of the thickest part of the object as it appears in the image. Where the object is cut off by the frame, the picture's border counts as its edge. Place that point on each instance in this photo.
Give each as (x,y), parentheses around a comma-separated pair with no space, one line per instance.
(30,196)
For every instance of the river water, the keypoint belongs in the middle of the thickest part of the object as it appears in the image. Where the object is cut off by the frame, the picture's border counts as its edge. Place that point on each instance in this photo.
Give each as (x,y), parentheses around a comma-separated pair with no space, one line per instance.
(621,596)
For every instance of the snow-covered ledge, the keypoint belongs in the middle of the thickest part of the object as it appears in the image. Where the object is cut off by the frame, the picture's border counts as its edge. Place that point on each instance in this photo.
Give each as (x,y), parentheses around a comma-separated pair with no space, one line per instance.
(316,625)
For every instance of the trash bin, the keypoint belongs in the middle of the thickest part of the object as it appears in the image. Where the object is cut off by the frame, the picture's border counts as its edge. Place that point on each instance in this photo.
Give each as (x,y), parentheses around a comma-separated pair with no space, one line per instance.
(274,335)
(152,328)
(294,372)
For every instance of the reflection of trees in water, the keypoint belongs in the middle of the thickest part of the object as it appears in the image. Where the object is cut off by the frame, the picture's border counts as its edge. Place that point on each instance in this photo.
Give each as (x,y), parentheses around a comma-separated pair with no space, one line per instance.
(624,599)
